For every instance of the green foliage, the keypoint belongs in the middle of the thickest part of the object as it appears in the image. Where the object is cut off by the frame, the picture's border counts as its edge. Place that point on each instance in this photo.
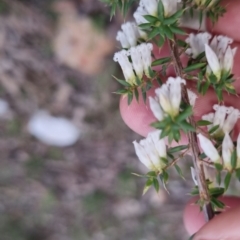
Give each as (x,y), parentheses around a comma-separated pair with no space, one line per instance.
(172,127)
(161,26)
(123,5)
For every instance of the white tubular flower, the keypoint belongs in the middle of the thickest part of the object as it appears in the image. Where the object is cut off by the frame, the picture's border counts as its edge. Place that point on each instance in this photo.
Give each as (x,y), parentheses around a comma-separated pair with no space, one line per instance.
(170,7)
(227,62)
(150,6)
(231,121)
(226,124)
(137,61)
(220,116)
(122,59)
(145,50)
(213,61)
(208,148)
(169,95)
(192,97)
(151,150)
(156,109)
(131,32)
(227,149)
(225,54)
(238,152)
(138,15)
(122,38)
(197,43)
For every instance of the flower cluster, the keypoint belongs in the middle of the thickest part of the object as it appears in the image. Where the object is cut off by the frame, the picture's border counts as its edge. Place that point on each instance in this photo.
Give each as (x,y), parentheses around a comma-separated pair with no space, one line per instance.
(168,98)
(141,62)
(220,56)
(218,52)
(227,150)
(152,151)
(225,118)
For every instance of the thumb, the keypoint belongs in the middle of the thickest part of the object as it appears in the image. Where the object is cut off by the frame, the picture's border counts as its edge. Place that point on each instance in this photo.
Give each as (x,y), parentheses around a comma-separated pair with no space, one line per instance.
(224,226)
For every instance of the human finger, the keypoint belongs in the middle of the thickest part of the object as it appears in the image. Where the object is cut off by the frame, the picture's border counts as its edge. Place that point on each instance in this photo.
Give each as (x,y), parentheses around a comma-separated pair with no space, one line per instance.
(194,219)
(229,23)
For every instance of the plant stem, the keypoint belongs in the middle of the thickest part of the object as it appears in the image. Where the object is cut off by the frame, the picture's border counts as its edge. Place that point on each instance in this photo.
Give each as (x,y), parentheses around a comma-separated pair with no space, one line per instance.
(192,138)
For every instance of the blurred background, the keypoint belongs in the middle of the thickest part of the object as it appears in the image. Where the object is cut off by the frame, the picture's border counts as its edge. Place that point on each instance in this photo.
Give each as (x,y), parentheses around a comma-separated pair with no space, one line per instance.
(66,155)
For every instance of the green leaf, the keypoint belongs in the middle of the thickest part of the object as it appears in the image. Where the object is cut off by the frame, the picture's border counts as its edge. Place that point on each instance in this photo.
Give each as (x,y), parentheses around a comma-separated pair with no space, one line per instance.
(218,178)
(177,30)
(234,159)
(152,174)
(203,123)
(160,10)
(161,61)
(186,127)
(213,129)
(136,94)
(167,31)
(181,43)
(184,114)
(138,80)
(218,166)
(144,95)
(148,184)
(194,67)
(150,18)
(121,91)
(145,26)
(179,171)
(153,33)
(238,174)
(178,148)
(195,191)
(227,180)
(174,17)
(156,184)
(123,82)
(216,192)
(130,98)
(217,204)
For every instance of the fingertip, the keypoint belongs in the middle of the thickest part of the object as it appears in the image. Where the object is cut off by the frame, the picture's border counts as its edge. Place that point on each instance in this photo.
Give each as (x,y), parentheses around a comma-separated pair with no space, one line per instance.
(194,219)
(138,115)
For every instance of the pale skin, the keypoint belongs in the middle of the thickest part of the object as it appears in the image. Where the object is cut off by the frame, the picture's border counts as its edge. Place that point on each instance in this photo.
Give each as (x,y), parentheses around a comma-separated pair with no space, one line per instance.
(138,117)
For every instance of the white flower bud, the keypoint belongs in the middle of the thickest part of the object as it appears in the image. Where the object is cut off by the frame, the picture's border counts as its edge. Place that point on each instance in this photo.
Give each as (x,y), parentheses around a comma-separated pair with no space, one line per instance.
(122,59)
(145,50)
(208,148)
(213,61)
(227,149)
(169,95)
(131,32)
(231,121)
(151,6)
(151,150)
(138,15)
(170,7)
(163,95)
(227,64)
(219,117)
(137,61)
(156,109)
(121,37)
(194,176)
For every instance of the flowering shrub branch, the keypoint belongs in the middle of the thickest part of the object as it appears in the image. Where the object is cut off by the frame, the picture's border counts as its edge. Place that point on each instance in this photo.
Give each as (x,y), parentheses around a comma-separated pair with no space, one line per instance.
(209,66)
